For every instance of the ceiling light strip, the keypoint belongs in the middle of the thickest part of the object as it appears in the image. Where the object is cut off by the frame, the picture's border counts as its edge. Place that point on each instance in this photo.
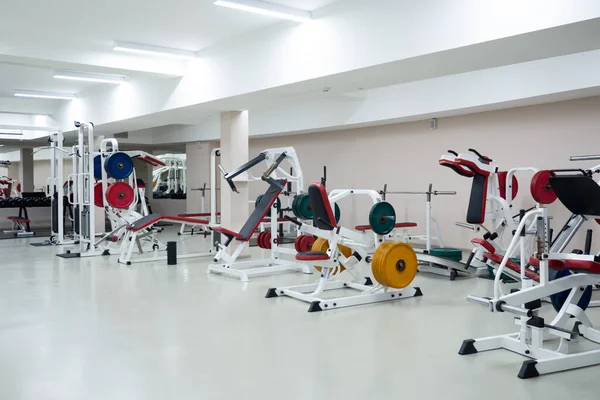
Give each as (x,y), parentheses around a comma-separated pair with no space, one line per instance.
(269,9)
(45,95)
(147,49)
(90,77)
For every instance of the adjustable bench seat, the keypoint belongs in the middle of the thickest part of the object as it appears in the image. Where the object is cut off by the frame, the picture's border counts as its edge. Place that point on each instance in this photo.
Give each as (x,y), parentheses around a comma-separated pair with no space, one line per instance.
(312,256)
(398,225)
(485,244)
(497,258)
(554,264)
(19,219)
(257,216)
(151,219)
(590,267)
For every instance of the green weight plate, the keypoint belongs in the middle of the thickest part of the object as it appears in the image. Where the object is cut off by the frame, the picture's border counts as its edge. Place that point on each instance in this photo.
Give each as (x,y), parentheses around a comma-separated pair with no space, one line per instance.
(382,218)
(338,213)
(259,198)
(294,207)
(447,252)
(304,208)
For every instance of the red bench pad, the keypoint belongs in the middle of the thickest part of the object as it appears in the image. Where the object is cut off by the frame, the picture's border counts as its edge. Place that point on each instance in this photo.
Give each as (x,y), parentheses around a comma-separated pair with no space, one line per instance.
(196,215)
(398,225)
(554,264)
(497,258)
(485,244)
(312,256)
(228,232)
(279,220)
(591,267)
(19,219)
(154,218)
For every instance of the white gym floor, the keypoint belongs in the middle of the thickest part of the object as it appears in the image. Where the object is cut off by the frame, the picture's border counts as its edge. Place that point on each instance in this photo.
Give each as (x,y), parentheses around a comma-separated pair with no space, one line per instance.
(92,329)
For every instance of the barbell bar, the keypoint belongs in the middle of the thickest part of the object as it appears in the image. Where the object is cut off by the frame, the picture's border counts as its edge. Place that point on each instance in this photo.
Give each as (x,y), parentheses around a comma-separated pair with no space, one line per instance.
(584,158)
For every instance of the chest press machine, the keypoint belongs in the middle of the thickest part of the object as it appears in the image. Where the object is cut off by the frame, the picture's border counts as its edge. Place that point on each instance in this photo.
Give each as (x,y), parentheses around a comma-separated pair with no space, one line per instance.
(226,263)
(491,200)
(341,255)
(570,293)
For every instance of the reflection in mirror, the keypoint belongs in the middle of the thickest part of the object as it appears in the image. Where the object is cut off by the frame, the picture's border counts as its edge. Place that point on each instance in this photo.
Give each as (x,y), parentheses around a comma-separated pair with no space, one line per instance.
(168,182)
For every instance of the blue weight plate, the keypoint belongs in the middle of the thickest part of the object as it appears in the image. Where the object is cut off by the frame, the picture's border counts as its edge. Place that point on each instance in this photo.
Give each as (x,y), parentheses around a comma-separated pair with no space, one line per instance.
(118,165)
(98,167)
(558,299)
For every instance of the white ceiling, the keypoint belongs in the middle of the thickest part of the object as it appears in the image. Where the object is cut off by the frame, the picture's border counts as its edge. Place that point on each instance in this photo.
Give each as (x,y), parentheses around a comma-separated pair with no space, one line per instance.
(59,34)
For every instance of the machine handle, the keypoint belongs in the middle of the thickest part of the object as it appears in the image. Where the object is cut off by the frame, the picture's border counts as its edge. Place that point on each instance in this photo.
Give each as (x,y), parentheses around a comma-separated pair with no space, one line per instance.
(584,158)
(480,155)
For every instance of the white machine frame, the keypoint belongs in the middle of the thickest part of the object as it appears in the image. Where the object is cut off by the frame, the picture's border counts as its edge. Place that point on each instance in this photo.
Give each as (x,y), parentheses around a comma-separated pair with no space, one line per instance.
(530,340)
(363,245)
(226,263)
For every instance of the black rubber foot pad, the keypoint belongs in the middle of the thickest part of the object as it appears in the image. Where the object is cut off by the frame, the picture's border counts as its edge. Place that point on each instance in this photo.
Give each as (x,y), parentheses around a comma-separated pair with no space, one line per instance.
(315,306)
(69,255)
(467,347)
(272,292)
(368,281)
(528,370)
(418,292)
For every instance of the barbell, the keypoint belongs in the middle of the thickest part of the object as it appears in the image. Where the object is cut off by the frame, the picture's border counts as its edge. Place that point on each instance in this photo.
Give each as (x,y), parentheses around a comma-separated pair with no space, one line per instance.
(428,193)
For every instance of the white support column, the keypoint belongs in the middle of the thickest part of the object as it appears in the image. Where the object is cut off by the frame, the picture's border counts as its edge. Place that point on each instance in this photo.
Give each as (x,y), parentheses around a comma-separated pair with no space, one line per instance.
(26,170)
(235,208)
(198,173)
(99,213)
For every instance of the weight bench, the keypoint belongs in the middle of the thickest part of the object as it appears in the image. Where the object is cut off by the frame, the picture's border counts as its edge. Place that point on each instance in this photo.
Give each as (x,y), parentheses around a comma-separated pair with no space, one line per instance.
(20,227)
(228,264)
(142,229)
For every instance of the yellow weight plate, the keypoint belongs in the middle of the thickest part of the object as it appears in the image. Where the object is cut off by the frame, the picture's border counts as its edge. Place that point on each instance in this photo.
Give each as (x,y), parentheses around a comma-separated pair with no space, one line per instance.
(377,261)
(322,245)
(399,265)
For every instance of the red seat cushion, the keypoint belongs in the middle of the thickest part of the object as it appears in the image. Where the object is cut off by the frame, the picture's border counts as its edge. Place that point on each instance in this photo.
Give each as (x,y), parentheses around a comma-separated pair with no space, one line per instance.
(497,258)
(19,219)
(398,225)
(554,264)
(591,267)
(227,232)
(485,244)
(312,256)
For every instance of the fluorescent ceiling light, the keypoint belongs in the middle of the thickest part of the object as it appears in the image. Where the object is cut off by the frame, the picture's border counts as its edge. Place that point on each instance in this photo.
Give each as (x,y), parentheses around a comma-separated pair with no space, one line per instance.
(89,77)
(45,95)
(154,50)
(264,8)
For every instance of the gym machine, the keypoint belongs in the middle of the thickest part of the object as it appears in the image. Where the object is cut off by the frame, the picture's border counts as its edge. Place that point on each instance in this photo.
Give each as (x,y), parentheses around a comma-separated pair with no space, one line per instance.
(491,200)
(439,260)
(277,178)
(343,256)
(570,294)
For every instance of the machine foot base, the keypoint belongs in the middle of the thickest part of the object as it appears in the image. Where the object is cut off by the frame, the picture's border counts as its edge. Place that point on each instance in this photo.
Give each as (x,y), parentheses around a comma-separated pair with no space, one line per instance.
(528,370)
(272,292)
(467,347)
(368,281)
(418,292)
(315,306)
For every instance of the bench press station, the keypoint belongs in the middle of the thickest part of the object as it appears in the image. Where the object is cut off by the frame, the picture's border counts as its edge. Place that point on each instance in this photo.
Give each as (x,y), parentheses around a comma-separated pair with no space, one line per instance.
(341,254)
(227,263)
(570,293)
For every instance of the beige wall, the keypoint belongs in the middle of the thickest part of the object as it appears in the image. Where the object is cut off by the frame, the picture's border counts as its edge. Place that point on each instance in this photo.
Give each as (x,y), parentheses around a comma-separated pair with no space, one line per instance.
(405,156)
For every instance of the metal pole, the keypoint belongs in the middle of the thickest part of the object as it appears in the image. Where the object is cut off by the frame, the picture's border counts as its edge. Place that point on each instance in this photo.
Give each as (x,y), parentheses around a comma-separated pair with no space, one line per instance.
(584,158)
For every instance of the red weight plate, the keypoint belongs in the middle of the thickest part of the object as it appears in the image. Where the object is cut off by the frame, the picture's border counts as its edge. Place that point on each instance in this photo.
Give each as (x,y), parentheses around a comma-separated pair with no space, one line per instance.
(264,239)
(308,243)
(119,195)
(259,240)
(540,188)
(267,239)
(98,200)
(502,183)
(298,243)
